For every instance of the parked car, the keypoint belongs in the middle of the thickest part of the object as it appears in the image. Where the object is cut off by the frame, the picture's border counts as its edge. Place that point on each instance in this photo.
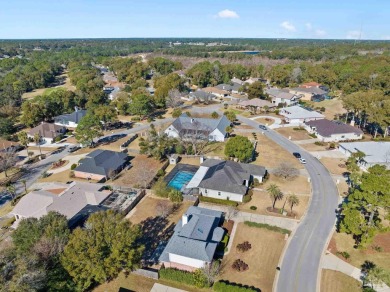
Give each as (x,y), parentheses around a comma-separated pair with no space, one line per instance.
(302,160)
(297,154)
(73,149)
(262,127)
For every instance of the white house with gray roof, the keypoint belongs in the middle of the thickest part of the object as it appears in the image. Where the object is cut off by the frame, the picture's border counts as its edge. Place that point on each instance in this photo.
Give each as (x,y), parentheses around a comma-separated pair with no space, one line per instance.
(70,120)
(225,179)
(375,152)
(282,96)
(298,115)
(194,241)
(208,129)
(74,200)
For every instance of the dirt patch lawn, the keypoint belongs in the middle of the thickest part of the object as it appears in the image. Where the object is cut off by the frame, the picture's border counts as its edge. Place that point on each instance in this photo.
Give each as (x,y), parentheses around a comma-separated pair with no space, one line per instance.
(314,147)
(265,121)
(295,135)
(298,186)
(332,107)
(63,176)
(344,242)
(332,164)
(262,258)
(333,281)
(142,172)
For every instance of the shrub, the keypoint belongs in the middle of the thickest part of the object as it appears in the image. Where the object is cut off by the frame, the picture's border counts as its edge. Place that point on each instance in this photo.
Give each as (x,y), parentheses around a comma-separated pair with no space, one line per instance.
(188,113)
(256,182)
(313,135)
(266,226)
(223,243)
(377,248)
(177,275)
(8,222)
(149,120)
(344,254)
(217,201)
(323,109)
(240,265)
(135,119)
(248,197)
(332,145)
(175,196)
(243,247)
(253,208)
(223,286)
(176,113)
(298,128)
(277,111)
(200,280)
(73,166)
(319,143)
(160,172)
(160,188)
(214,115)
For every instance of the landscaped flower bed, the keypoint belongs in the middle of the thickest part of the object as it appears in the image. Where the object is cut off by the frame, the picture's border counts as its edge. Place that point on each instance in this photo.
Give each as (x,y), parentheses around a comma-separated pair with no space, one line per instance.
(59,164)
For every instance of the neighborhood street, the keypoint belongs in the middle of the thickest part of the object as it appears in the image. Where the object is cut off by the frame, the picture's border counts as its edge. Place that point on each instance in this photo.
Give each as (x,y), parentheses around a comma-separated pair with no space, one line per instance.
(299,270)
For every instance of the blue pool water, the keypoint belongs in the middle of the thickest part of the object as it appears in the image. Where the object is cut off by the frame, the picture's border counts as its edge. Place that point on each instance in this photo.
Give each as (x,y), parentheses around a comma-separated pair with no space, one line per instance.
(180,179)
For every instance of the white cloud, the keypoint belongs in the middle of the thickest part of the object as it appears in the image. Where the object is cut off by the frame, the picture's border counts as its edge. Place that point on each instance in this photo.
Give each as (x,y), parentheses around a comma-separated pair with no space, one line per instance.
(353,34)
(320,32)
(288,26)
(227,14)
(308,26)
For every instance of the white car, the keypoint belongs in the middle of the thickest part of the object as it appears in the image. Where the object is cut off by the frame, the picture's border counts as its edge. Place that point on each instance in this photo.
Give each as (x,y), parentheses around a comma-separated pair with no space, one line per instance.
(302,160)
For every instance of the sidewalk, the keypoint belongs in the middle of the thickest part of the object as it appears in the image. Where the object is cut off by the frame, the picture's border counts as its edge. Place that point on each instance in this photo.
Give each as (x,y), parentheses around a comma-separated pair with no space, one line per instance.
(276,124)
(282,222)
(162,288)
(332,262)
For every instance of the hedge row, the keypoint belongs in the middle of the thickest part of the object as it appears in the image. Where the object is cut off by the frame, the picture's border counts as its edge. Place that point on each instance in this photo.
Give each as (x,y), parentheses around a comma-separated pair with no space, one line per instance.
(230,287)
(177,275)
(267,226)
(217,201)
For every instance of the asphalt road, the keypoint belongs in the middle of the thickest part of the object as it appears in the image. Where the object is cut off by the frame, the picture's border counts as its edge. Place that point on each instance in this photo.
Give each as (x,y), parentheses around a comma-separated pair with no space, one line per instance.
(299,270)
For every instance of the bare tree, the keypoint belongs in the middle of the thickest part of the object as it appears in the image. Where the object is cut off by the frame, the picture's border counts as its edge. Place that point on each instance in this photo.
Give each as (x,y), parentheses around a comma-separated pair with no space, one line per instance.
(231,212)
(196,135)
(8,159)
(163,208)
(211,271)
(174,98)
(286,171)
(47,248)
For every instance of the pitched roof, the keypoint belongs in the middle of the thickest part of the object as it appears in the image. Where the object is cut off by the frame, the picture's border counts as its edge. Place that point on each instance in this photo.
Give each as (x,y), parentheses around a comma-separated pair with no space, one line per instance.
(186,123)
(326,127)
(280,93)
(229,87)
(313,90)
(311,84)
(69,202)
(200,94)
(376,152)
(75,117)
(225,175)
(256,102)
(102,162)
(297,112)
(5,144)
(46,130)
(198,238)
(215,90)
(238,81)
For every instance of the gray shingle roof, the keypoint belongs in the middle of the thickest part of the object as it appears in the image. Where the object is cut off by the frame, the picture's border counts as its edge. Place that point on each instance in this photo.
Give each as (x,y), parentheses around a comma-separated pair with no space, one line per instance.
(326,128)
(102,162)
(229,176)
(229,87)
(47,130)
(199,238)
(186,123)
(376,152)
(202,95)
(313,90)
(280,93)
(75,117)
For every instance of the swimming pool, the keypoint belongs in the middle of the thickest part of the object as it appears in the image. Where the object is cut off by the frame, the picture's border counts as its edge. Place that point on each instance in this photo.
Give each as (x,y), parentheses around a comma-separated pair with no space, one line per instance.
(180,179)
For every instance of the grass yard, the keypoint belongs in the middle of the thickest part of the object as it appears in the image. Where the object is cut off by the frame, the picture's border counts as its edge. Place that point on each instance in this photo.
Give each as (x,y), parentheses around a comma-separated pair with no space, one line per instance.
(332,164)
(63,176)
(272,154)
(262,258)
(333,281)
(143,171)
(6,208)
(314,147)
(261,200)
(264,121)
(341,242)
(215,149)
(332,107)
(10,172)
(295,135)
(298,186)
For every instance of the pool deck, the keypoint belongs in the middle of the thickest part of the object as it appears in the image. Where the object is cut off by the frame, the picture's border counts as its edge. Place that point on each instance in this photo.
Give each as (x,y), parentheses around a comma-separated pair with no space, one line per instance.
(180,167)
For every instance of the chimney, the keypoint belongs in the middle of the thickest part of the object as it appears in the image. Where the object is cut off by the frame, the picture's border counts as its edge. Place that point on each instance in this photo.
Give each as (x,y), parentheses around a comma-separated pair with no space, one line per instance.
(353,122)
(184,219)
(192,120)
(76,109)
(201,159)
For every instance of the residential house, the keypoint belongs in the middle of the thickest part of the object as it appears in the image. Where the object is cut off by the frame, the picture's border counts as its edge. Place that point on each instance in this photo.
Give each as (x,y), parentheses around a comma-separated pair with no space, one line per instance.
(225,179)
(282,96)
(298,115)
(375,152)
(255,104)
(70,120)
(6,145)
(237,81)
(220,93)
(203,128)
(75,200)
(194,241)
(311,85)
(309,93)
(101,165)
(333,131)
(232,88)
(201,96)
(47,132)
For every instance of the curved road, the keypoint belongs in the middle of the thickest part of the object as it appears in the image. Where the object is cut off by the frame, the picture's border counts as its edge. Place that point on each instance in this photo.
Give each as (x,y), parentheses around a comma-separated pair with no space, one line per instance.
(300,266)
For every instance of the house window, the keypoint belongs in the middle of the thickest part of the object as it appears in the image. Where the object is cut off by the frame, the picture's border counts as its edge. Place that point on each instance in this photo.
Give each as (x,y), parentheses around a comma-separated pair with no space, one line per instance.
(342,137)
(205,191)
(219,193)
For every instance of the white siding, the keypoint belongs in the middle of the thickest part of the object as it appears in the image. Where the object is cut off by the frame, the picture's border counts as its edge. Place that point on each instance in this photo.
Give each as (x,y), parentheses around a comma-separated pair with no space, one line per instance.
(221,195)
(217,136)
(174,258)
(172,132)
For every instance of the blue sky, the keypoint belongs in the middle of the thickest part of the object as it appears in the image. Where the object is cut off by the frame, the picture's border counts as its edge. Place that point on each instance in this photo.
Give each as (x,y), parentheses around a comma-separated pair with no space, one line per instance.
(334,19)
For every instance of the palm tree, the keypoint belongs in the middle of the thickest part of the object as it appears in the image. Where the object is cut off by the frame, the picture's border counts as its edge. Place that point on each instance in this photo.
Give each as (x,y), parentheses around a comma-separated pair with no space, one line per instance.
(12,190)
(37,140)
(293,200)
(275,194)
(23,139)
(24,182)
